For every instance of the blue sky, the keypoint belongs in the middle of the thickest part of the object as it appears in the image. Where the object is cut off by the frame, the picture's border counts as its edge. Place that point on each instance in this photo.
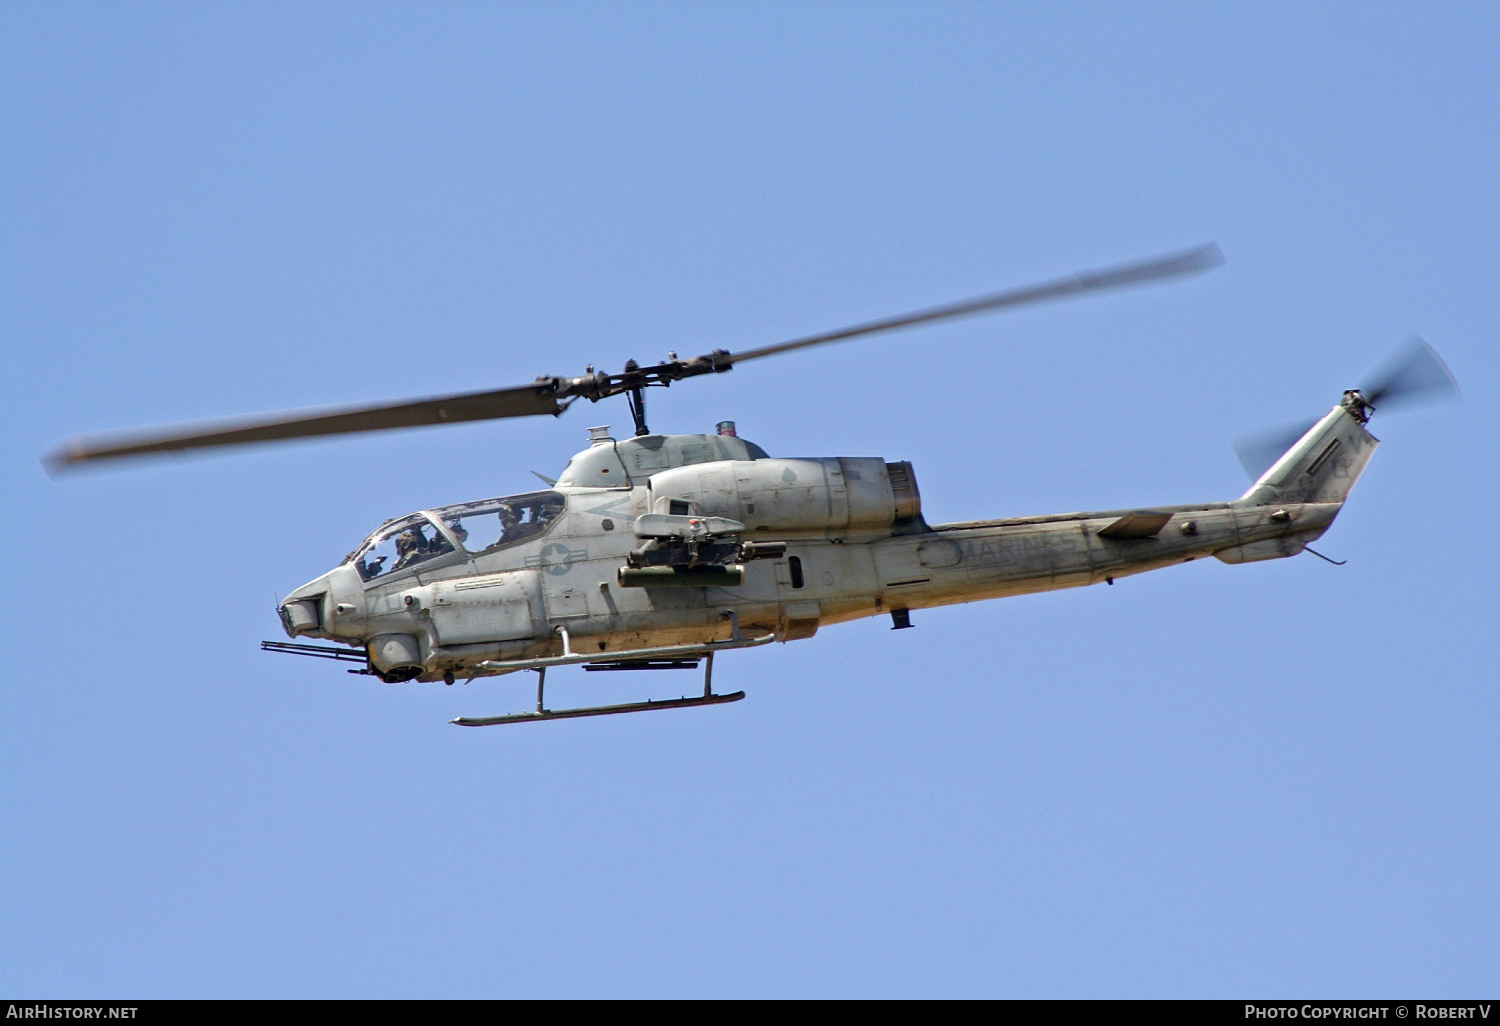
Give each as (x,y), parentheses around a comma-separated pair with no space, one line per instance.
(1209,781)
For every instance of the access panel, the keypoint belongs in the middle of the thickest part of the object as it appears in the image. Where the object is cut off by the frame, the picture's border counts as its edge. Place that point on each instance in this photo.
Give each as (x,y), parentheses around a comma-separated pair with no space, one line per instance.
(495,607)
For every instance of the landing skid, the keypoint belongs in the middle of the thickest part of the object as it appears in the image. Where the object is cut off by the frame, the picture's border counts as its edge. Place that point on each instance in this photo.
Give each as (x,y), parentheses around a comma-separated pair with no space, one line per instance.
(597,710)
(541,712)
(644,664)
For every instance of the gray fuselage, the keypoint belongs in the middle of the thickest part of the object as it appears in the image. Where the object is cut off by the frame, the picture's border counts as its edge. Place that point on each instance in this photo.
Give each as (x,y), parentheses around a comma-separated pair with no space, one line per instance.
(856,546)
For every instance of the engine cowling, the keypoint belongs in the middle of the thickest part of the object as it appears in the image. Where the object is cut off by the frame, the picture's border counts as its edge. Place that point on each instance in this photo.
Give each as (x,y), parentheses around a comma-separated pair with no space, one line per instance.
(830,496)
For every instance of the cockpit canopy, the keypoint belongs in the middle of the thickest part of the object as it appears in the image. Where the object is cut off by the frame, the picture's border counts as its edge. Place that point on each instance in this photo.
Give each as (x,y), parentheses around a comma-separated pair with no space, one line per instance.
(399,545)
(491,524)
(476,528)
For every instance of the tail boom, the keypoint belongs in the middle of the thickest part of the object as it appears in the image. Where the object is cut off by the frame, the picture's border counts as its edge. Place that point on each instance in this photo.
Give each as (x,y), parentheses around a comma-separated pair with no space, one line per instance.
(978,560)
(1288,507)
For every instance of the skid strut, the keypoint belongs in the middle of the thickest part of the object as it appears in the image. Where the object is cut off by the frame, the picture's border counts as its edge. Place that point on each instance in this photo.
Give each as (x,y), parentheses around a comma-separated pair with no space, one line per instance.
(541,712)
(671,654)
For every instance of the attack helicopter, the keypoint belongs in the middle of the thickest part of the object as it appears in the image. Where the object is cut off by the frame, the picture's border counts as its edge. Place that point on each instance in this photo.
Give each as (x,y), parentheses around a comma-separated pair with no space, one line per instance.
(658,552)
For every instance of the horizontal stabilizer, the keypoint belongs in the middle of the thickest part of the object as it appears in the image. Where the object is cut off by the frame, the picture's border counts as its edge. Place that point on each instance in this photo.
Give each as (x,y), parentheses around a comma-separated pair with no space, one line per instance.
(1143,523)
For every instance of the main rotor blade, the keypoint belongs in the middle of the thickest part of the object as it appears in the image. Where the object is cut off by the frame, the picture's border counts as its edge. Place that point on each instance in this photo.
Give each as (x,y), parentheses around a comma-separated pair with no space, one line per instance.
(453,409)
(541,397)
(1175,265)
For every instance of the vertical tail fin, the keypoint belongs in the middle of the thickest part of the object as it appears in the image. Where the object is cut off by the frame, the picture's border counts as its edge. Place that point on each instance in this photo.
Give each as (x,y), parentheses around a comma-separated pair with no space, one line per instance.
(1322,465)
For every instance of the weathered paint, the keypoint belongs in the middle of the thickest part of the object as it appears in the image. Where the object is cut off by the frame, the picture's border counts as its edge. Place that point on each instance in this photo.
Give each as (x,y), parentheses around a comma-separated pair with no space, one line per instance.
(837,518)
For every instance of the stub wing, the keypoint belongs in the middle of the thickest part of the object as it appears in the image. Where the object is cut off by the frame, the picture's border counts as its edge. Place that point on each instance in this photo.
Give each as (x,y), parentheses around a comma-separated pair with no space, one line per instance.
(1143,523)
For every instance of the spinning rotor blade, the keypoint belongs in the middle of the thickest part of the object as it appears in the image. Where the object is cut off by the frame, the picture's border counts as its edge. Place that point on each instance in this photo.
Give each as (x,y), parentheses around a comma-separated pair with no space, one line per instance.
(551,395)
(507,402)
(1415,374)
(1192,261)
(1259,450)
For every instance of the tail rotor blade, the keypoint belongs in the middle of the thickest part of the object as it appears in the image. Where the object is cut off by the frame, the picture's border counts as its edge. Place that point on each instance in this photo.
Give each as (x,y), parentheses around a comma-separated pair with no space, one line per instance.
(1259,451)
(1415,374)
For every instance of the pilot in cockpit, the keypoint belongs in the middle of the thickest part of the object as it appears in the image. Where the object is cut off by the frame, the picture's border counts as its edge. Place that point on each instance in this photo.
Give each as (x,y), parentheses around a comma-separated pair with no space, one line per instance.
(409,544)
(510,523)
(456,527)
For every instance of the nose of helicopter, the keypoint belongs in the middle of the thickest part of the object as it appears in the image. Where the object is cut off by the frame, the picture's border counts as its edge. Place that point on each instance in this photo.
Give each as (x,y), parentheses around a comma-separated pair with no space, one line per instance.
(330,606)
